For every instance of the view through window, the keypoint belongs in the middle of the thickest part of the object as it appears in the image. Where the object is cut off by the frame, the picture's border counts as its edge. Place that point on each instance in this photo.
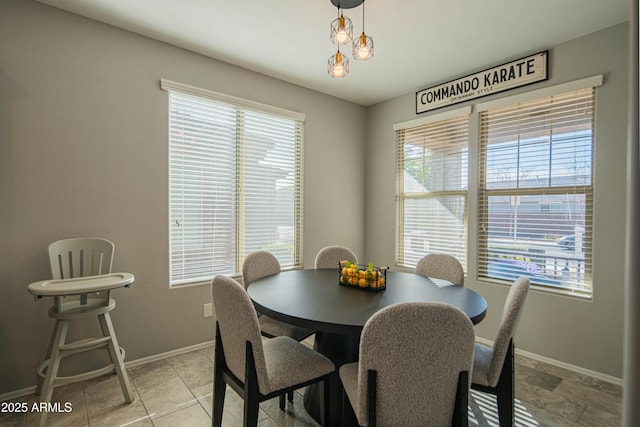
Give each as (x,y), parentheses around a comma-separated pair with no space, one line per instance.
(536,193)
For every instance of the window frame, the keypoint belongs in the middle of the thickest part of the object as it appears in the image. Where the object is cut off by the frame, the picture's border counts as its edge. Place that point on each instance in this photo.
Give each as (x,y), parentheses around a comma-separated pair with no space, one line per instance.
(474,217)
(261,112)
(481,246)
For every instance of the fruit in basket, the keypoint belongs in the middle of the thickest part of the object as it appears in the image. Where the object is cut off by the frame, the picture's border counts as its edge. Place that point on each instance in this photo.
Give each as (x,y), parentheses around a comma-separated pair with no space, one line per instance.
(355,275)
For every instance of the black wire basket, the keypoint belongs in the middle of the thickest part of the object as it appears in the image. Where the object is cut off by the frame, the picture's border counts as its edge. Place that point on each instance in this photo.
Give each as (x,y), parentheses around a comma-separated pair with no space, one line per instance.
(360,276)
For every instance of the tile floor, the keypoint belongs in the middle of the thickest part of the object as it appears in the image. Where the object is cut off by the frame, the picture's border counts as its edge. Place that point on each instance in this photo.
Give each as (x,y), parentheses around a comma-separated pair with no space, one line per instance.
(178,392)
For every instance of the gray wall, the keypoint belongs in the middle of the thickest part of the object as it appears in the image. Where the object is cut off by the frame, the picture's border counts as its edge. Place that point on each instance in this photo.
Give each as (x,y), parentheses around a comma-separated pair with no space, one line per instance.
(83,152)
(588,334)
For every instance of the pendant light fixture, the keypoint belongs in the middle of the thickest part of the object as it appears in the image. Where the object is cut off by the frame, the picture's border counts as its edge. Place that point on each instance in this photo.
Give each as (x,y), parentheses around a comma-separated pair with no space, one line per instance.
(363,45)
(338,65)
(341,29)
(341,34)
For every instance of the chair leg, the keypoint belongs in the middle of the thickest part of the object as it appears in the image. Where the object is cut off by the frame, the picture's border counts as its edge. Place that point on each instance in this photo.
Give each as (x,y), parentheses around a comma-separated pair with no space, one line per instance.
(372,384)
(116,356)
(461,407)
(505,390)
(48,354)
(251,390)
(219,391)
(219,386)
(324,400)
(349,417)
(48,384)
(289,397)
(251,408)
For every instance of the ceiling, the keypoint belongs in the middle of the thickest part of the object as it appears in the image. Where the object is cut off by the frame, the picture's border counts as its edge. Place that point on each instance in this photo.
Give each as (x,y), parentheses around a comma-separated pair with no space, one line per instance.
(418,43)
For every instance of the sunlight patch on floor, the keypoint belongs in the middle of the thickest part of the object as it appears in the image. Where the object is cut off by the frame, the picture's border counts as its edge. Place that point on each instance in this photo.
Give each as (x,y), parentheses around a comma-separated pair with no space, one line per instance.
(483,411)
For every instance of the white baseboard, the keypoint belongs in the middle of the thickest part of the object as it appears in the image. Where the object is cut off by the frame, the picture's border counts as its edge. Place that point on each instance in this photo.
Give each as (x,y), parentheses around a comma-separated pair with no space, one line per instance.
(138,362)
(18,393)
(166,355)
(143,361)
(568,366)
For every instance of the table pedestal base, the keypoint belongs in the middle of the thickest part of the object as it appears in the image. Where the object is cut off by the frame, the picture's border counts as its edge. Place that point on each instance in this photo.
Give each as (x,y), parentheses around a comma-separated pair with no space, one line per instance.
(340,349)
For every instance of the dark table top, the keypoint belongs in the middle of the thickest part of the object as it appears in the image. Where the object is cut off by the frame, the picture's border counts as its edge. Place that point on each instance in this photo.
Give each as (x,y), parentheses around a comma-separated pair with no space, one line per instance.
(314,299)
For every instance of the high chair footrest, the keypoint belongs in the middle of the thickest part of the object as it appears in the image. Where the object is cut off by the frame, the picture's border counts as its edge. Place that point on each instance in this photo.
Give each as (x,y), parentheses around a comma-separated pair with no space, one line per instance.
(87,344)
(60,381)
(42,371)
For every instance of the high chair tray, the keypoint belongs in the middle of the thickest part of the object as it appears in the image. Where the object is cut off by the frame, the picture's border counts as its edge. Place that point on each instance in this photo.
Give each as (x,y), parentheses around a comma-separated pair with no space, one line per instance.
(80,285)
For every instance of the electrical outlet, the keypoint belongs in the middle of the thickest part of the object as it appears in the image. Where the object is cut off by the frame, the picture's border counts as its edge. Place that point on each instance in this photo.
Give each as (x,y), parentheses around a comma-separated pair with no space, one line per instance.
(207,310)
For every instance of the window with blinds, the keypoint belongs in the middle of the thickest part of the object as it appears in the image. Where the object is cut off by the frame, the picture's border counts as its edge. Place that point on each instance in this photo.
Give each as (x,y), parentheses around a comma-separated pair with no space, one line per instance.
(235,185)
(535,191)
(432,181)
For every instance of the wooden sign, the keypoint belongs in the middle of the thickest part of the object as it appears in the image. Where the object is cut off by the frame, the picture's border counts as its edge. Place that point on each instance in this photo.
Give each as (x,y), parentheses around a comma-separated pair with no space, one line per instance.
(520,72)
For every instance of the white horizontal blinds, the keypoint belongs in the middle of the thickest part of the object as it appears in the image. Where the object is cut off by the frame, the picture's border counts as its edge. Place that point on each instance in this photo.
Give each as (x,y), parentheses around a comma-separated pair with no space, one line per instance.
(536,191)
(202,184)
(432,190)
(234,186)
(269,184)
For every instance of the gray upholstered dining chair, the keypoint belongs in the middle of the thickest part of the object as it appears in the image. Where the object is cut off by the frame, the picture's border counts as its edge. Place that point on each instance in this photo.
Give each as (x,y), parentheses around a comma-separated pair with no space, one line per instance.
(493,368)
(261,264)
(414,367)
(330,256)
(441,266)
(255,369)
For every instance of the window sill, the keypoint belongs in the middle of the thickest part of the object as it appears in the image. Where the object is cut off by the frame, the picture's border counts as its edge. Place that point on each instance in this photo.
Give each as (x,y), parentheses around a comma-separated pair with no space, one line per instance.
(571,293)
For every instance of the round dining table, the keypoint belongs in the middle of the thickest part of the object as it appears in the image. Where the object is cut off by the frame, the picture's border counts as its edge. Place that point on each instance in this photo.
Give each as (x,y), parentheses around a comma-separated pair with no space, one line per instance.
(314,299)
